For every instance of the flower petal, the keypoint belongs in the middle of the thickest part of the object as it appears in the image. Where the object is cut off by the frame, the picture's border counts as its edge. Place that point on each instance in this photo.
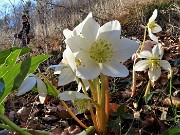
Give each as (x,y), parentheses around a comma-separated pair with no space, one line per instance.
(154,74)
(26,85)
(66,76)
(157,51)
(165,64)
(42,90)
(70,58)
(125,48)
(114,69)
(72,95)
(141,65)
(145,54)
(67,33)
(90,30)
(77,43)
(152,36)
(110,31)
(78,29)
(111,26)
(157,28)
(57,68)
(154,15)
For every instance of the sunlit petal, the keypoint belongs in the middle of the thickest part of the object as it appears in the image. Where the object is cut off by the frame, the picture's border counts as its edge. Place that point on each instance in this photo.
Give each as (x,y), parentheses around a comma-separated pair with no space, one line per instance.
(154,74)
(165,64)
(57,68)
(154,15)
(152,36)
(42,90)
(67,33)
(141,65)
(77,43)
(157,28)
(26,85)
(90,30)
(114,69)
(78,29)
(125,50)
(66,76)
(145,54)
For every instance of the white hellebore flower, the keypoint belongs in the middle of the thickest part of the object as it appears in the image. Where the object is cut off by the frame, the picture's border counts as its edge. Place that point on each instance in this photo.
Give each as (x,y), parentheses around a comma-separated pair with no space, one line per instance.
(66,70)
(153,27)
(29,83)
(100,50)
(152,62)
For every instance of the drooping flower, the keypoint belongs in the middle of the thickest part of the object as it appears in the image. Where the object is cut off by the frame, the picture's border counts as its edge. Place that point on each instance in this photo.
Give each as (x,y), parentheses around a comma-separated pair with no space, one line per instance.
(153,27)
(29,83)
(80,101)
(100,50)
(152,62)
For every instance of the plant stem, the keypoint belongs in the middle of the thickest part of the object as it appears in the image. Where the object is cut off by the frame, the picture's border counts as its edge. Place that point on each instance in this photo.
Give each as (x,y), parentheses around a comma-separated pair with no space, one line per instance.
(64,104)
(147,89)
(72,114)
(142,46)
(103,114)
(29,130)
(13,125)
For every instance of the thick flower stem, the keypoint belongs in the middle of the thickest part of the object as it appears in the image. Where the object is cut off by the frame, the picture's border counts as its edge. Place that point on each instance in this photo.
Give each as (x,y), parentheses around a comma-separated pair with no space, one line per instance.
(144,39)
(107,99)
(103,113)
(73,115)
(14,126)
(91,109)
(147,89)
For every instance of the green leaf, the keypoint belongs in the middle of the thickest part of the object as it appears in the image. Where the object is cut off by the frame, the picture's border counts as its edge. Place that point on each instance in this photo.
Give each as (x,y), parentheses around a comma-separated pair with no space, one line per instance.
(172,131)
(9,62)
(2,109)
(14,77)
(4,54)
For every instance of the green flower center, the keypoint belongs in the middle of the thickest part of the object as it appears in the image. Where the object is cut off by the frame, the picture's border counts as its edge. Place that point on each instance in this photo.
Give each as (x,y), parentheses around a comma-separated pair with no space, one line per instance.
(154,63)
(152,25)
(101,51)
(81,105)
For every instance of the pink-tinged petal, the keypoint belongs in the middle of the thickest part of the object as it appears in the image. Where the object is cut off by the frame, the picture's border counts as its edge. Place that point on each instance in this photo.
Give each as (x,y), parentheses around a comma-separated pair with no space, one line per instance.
(125,49)
(77,43)
(67,33)
(26,85)
(157,28)
(154,74)
(90,30)
(165,64)
(114,69)
(42,90)
(145,54)
(141,65)
(78,29)
(154,15)
(152,36)
(66,76)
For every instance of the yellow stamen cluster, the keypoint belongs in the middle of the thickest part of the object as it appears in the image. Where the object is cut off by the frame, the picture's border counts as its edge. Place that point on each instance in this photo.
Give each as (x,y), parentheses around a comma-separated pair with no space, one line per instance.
(152,25)
(154,63)
(101,51)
